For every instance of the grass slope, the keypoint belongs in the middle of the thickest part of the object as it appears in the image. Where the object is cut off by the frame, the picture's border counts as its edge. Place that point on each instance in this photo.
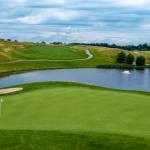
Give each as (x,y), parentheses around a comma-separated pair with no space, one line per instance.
(109,54)
(6,46)
(81,117)
(62,140)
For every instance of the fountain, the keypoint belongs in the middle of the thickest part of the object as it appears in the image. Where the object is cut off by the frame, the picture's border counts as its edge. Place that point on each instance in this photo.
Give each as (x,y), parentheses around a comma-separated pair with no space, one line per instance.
(126,72)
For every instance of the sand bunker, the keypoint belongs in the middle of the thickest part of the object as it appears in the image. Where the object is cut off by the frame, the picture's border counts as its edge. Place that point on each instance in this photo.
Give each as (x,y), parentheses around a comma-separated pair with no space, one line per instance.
(3,91)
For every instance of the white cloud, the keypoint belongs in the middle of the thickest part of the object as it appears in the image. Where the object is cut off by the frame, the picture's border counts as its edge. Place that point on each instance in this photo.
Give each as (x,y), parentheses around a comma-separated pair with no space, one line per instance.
(76,20)
(31,19)
(132,2)
(44,2)
(6,20)
(135,2)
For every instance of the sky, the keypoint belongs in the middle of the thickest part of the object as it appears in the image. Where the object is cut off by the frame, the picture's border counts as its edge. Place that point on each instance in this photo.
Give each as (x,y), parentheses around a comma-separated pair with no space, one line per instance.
(123,22)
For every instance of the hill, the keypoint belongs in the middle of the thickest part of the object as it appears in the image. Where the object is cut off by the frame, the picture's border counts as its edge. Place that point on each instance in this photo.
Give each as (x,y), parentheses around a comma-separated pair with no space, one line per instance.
(6,46)
(44,56)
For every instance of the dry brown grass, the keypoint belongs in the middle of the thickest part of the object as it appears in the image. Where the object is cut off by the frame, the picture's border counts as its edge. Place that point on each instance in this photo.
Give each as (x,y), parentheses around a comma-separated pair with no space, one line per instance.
(3,54)
(6,46)
(8,49)
(1,45)
(56,45)
(109,53)
(115,51)
(83,47)
(4,57)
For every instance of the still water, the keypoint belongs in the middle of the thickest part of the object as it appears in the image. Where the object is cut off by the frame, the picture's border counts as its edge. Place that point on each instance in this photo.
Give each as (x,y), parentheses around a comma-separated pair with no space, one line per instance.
(112,78)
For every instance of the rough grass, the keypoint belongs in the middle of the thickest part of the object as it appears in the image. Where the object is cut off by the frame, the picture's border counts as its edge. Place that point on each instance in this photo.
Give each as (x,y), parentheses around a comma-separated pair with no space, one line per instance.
(67,115)
(117,66)
(6,46)
(108,55)
(145,53)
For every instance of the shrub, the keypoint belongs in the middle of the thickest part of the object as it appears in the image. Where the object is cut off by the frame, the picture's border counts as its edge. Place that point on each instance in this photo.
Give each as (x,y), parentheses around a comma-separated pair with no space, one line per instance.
(121,57)
(8,39)
(130,59)
(140,60)
(116,66)
(43,42)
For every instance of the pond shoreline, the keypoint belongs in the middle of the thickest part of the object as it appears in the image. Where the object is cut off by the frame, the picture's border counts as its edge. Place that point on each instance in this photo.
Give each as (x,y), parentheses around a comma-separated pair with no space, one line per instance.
(14,71)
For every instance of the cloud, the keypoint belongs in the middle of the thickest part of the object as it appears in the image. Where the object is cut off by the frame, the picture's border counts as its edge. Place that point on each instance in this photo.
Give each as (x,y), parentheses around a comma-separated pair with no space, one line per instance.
(31,19)
(134,2)
(76,20)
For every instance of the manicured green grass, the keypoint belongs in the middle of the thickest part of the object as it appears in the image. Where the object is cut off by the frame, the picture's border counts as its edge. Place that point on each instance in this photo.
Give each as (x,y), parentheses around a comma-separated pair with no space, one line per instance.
(68,115)
(63,140)
(77,108)
(47,52)
(36,65)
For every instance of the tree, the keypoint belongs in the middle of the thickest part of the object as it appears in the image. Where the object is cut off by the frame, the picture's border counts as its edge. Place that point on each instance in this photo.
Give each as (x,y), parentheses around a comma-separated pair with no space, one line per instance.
(8,39)
(140,60)
(43,42)
(113,46)
(130,59)
(121,57)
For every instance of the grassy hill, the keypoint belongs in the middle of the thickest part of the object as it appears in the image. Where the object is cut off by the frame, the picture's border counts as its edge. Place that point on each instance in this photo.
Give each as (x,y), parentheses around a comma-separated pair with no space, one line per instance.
(6,46)
(109,54)
(11,50)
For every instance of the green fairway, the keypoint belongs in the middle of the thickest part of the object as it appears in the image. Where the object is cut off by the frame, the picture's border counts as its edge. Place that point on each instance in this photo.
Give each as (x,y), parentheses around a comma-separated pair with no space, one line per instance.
(71,115)
(36,65)
(47,52)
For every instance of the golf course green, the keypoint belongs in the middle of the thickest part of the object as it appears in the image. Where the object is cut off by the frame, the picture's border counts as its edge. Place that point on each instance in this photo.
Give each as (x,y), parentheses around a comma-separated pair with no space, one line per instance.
(36,52)
(81,113)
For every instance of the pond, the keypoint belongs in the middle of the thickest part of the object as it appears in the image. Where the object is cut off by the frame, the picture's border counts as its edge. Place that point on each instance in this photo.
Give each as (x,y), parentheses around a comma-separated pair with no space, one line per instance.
(111,78)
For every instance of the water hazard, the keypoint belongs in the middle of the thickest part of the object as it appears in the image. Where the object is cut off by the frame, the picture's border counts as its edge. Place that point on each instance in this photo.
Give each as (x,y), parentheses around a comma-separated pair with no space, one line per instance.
(112,78)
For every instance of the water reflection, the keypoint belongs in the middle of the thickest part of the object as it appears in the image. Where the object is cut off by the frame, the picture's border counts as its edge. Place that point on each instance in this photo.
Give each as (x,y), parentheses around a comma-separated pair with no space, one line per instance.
(112,78)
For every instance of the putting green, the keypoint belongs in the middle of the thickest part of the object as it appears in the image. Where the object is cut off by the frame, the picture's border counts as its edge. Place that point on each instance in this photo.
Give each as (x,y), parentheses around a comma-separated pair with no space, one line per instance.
(77,108)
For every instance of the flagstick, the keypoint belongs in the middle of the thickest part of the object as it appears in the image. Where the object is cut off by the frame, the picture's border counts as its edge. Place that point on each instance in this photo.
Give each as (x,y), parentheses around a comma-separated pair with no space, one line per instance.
(0,107)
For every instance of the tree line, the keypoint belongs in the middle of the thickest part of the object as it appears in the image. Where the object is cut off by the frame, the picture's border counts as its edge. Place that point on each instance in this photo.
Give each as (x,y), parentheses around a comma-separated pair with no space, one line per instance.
(140,47)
